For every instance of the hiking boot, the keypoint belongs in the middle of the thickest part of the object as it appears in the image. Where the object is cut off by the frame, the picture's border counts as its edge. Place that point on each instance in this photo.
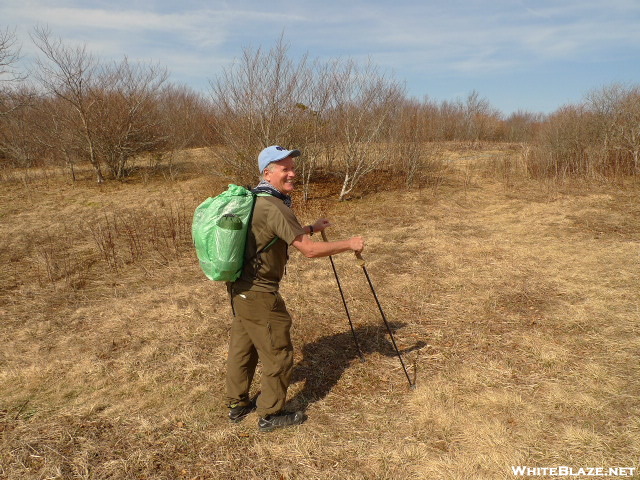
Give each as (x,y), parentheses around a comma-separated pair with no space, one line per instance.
(238,412)
(281,419)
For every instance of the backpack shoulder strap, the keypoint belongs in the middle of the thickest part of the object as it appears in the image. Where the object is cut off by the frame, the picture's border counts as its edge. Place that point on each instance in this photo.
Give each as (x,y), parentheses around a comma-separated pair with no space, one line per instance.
(275,239)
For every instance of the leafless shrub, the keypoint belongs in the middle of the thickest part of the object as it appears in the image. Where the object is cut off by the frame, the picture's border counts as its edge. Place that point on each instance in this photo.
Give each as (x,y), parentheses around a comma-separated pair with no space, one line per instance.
(34,133)
(447,121)
(616,118)
(55,259)
(50,129)
(132,236)
(187,122)
(313,151)
(522,126)
(58,255)
(419,161)
(103,232)
(597,139)
(18,144)
(562,145)
(410,143)
(472,120)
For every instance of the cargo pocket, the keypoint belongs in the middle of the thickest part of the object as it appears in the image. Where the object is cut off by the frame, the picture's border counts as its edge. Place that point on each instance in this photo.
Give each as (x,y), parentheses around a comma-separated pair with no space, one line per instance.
(279,325)
(279,334)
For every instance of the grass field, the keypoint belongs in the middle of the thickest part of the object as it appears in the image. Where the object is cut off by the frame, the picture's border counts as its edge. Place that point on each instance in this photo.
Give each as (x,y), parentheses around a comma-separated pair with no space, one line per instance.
(516,302)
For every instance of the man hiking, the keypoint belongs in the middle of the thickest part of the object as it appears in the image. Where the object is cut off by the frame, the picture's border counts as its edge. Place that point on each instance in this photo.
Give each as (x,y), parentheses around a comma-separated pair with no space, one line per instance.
(261,324)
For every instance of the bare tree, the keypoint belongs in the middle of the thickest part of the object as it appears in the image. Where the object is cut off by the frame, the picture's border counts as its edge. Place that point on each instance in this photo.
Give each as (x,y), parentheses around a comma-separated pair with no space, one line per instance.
(311,123)
(9,56)
(255,101)
(127,121)
(51,130)
(12,95)
(113,112)
(70,73)
(412,156)
(335,109)
(481,119)
(363,102)
(598,138)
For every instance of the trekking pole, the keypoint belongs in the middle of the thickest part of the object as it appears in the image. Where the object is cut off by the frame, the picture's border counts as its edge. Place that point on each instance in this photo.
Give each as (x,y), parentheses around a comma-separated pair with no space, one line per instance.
(384,318)
(344,302)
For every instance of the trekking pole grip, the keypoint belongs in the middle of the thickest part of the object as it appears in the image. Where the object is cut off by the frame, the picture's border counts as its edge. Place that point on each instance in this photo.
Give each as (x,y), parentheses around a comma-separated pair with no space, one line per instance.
(358,255)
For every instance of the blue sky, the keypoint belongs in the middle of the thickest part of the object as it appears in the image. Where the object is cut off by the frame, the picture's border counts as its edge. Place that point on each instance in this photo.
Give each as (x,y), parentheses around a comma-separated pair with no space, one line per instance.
(520,54)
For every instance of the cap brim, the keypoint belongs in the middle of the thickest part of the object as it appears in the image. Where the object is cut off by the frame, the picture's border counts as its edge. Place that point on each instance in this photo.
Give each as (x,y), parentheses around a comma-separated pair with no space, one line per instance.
(289,153)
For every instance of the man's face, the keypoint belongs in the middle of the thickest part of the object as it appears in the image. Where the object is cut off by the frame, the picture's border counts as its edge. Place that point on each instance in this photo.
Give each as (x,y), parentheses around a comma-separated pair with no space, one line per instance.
(282,175)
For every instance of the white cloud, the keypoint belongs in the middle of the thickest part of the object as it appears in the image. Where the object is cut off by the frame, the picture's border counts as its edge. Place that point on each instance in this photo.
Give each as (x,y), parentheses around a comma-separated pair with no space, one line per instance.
(459,38)
(464,32)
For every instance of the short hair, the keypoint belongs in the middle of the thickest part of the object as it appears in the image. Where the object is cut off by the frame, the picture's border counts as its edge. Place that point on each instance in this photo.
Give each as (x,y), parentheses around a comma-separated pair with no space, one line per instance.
(269,167)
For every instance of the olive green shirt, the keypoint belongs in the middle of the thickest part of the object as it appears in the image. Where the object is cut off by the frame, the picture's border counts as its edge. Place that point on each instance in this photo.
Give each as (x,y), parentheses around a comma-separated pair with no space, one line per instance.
(263,271)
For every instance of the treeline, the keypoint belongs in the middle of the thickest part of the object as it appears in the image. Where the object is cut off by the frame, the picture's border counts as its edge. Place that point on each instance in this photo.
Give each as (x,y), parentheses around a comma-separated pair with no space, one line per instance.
(351,119)
(75,108)
(599,138)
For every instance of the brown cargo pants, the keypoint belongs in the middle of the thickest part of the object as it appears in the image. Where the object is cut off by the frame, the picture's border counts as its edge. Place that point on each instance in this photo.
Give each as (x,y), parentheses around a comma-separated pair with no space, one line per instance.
(260,330)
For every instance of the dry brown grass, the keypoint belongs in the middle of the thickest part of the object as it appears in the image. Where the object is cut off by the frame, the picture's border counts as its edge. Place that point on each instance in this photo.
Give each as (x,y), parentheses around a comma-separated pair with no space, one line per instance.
(516,302)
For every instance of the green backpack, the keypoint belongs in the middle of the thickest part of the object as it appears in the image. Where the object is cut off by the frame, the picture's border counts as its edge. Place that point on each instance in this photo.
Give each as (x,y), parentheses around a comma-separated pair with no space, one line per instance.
(219,231)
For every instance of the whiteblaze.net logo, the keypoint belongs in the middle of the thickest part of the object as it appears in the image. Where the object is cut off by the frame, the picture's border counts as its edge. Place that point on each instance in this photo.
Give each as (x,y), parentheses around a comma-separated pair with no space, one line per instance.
(564,471)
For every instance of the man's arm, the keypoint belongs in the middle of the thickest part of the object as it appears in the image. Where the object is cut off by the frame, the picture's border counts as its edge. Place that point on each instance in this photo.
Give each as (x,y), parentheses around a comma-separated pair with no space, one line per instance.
(311,249)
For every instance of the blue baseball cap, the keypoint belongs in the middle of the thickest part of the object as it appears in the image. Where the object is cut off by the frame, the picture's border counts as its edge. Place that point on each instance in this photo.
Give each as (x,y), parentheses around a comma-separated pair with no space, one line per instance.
(274,153)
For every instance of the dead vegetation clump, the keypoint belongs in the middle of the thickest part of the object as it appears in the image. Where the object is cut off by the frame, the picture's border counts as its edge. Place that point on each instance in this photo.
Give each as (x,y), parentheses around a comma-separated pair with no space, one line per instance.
(516,305)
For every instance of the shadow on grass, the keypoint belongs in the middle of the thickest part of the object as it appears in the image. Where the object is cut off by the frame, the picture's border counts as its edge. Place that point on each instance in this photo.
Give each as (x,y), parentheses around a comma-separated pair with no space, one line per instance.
(325,360)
